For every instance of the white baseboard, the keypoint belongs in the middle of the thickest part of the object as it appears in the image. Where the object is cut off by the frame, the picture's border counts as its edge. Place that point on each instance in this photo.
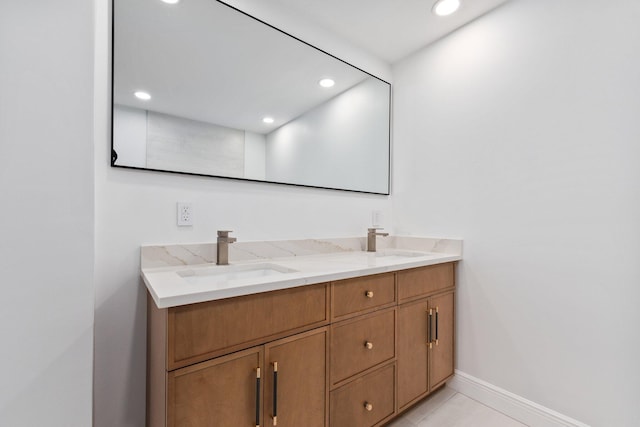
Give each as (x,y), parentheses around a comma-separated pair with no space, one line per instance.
(512,405)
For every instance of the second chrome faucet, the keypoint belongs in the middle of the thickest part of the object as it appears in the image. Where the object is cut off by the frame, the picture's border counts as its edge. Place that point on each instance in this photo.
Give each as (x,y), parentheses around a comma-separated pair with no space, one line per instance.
(222,257)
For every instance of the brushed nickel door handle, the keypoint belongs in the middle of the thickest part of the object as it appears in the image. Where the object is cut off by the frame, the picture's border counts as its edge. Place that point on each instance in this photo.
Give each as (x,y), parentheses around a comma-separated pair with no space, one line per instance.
(429,328)
(437,326)
(275,393)
(258,397)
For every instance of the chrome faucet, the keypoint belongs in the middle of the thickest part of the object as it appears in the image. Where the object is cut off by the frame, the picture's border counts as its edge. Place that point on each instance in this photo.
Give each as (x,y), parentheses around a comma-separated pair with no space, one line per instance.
(371,238)
(222,257)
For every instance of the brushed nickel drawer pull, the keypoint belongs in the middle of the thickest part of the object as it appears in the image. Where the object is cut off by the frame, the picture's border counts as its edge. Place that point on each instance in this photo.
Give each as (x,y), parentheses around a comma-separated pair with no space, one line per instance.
(369,294)
(368,406)
(368,345)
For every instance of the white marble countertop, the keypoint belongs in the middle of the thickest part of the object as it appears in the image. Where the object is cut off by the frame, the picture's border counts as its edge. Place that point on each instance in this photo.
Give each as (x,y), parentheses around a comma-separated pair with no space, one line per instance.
(186,281)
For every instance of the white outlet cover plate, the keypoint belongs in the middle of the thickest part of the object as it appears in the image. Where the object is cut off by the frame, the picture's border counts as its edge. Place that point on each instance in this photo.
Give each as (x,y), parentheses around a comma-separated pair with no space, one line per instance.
(185,214)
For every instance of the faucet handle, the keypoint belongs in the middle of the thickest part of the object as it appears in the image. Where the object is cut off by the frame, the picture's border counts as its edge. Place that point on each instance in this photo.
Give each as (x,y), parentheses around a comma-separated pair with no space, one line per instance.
(373,231)
(224,233)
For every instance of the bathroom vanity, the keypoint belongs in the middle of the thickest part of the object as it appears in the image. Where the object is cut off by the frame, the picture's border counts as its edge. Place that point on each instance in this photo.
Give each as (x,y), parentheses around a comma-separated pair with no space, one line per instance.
(362,338)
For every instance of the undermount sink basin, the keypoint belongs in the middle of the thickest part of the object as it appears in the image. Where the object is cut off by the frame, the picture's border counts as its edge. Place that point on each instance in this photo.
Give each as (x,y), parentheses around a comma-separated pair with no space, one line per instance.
(384,256)
(220,274)
(398,254)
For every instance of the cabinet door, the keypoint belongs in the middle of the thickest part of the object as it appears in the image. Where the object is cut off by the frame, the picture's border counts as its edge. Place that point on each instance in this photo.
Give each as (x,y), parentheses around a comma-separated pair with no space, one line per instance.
(413,349)
(299,396)
(219,392)
(441,353)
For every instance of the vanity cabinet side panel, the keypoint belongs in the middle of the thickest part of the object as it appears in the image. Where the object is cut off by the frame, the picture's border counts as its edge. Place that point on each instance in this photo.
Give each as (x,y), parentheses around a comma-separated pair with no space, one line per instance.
(420,282)
(198,332)
(156,364)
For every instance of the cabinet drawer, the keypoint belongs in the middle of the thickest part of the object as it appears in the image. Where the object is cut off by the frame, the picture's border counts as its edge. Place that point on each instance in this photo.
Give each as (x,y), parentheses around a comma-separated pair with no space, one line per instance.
(357,345)
(362,294)
(423,281)
(201,331)
(364,402)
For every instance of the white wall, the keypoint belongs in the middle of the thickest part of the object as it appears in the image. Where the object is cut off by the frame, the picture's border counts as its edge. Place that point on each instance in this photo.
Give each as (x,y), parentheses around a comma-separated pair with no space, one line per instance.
(520,133)
(135,208)
(349,132)
(46,220)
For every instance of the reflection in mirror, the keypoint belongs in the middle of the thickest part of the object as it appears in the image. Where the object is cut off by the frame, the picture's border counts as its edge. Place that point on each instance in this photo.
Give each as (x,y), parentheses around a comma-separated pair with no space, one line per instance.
(227,95)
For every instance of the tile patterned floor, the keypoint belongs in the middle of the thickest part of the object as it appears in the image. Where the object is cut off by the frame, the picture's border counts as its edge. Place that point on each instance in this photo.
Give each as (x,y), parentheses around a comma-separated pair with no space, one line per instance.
(447,408)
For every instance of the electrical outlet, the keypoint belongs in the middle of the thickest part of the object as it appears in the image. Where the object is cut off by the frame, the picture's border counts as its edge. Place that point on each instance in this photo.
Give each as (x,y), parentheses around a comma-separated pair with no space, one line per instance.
(185,214)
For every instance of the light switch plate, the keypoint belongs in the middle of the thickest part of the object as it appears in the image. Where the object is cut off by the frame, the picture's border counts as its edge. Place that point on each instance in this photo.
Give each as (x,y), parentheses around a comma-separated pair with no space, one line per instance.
(376,218)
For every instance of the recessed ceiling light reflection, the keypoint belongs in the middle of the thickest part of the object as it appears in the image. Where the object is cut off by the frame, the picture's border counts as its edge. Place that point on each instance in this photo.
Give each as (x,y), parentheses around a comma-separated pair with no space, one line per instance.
(267,120)
(142,95)
(446,7)
(171,1)
(327,82)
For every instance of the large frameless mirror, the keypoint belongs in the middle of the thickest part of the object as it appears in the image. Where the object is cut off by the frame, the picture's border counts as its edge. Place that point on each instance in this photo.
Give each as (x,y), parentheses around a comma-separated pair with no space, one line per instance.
(202,88)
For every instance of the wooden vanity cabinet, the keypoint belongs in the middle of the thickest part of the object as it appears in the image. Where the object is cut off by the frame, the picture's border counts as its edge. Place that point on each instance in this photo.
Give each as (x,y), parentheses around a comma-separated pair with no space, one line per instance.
(352,353)
(425,332)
